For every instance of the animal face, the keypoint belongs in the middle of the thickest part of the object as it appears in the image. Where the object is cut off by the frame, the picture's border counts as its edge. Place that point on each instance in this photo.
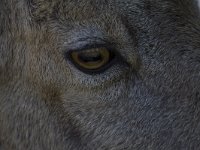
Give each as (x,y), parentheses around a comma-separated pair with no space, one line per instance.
(99,74)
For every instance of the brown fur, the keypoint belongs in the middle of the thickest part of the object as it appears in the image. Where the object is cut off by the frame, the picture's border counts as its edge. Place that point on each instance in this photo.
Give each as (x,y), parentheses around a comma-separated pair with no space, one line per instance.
(147,100)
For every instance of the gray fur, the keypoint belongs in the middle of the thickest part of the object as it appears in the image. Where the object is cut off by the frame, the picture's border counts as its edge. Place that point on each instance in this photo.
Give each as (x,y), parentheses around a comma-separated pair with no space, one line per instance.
(152,103)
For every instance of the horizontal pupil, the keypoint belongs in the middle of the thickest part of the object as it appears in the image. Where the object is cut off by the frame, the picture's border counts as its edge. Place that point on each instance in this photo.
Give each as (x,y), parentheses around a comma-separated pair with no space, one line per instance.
(90,57)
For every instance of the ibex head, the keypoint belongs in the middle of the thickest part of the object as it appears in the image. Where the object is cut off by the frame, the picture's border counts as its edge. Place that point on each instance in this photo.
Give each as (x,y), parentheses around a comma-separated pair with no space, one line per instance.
(99,74)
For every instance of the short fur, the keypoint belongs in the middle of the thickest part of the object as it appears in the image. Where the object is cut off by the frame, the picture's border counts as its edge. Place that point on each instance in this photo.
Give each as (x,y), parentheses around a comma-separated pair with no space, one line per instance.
(48,104)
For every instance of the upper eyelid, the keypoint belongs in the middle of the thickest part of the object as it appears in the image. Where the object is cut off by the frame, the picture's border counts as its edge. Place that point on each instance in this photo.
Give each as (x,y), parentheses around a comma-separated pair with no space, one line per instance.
(88,43)
(86,39)
(78,38)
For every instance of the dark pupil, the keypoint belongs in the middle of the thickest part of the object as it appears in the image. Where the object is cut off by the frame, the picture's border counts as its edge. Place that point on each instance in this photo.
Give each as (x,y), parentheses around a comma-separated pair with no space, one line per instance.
(90,57)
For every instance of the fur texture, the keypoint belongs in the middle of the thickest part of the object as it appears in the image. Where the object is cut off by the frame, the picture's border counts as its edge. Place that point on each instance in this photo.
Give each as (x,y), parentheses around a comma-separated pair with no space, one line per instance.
(198,1)
(152,101)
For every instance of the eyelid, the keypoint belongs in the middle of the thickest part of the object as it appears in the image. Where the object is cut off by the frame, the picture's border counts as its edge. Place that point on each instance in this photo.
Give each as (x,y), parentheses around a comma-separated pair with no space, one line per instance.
(88,43)
(94,46)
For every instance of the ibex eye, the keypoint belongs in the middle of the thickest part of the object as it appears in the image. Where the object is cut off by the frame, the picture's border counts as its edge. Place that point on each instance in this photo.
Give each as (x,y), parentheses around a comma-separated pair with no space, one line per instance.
(92,61)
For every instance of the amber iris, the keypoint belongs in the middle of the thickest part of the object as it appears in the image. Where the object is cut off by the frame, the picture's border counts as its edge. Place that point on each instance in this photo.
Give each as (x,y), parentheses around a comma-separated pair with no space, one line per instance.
(91,59)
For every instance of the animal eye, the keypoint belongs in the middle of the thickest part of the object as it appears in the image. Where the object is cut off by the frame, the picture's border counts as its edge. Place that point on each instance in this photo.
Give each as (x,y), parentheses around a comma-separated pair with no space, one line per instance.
(92,61)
